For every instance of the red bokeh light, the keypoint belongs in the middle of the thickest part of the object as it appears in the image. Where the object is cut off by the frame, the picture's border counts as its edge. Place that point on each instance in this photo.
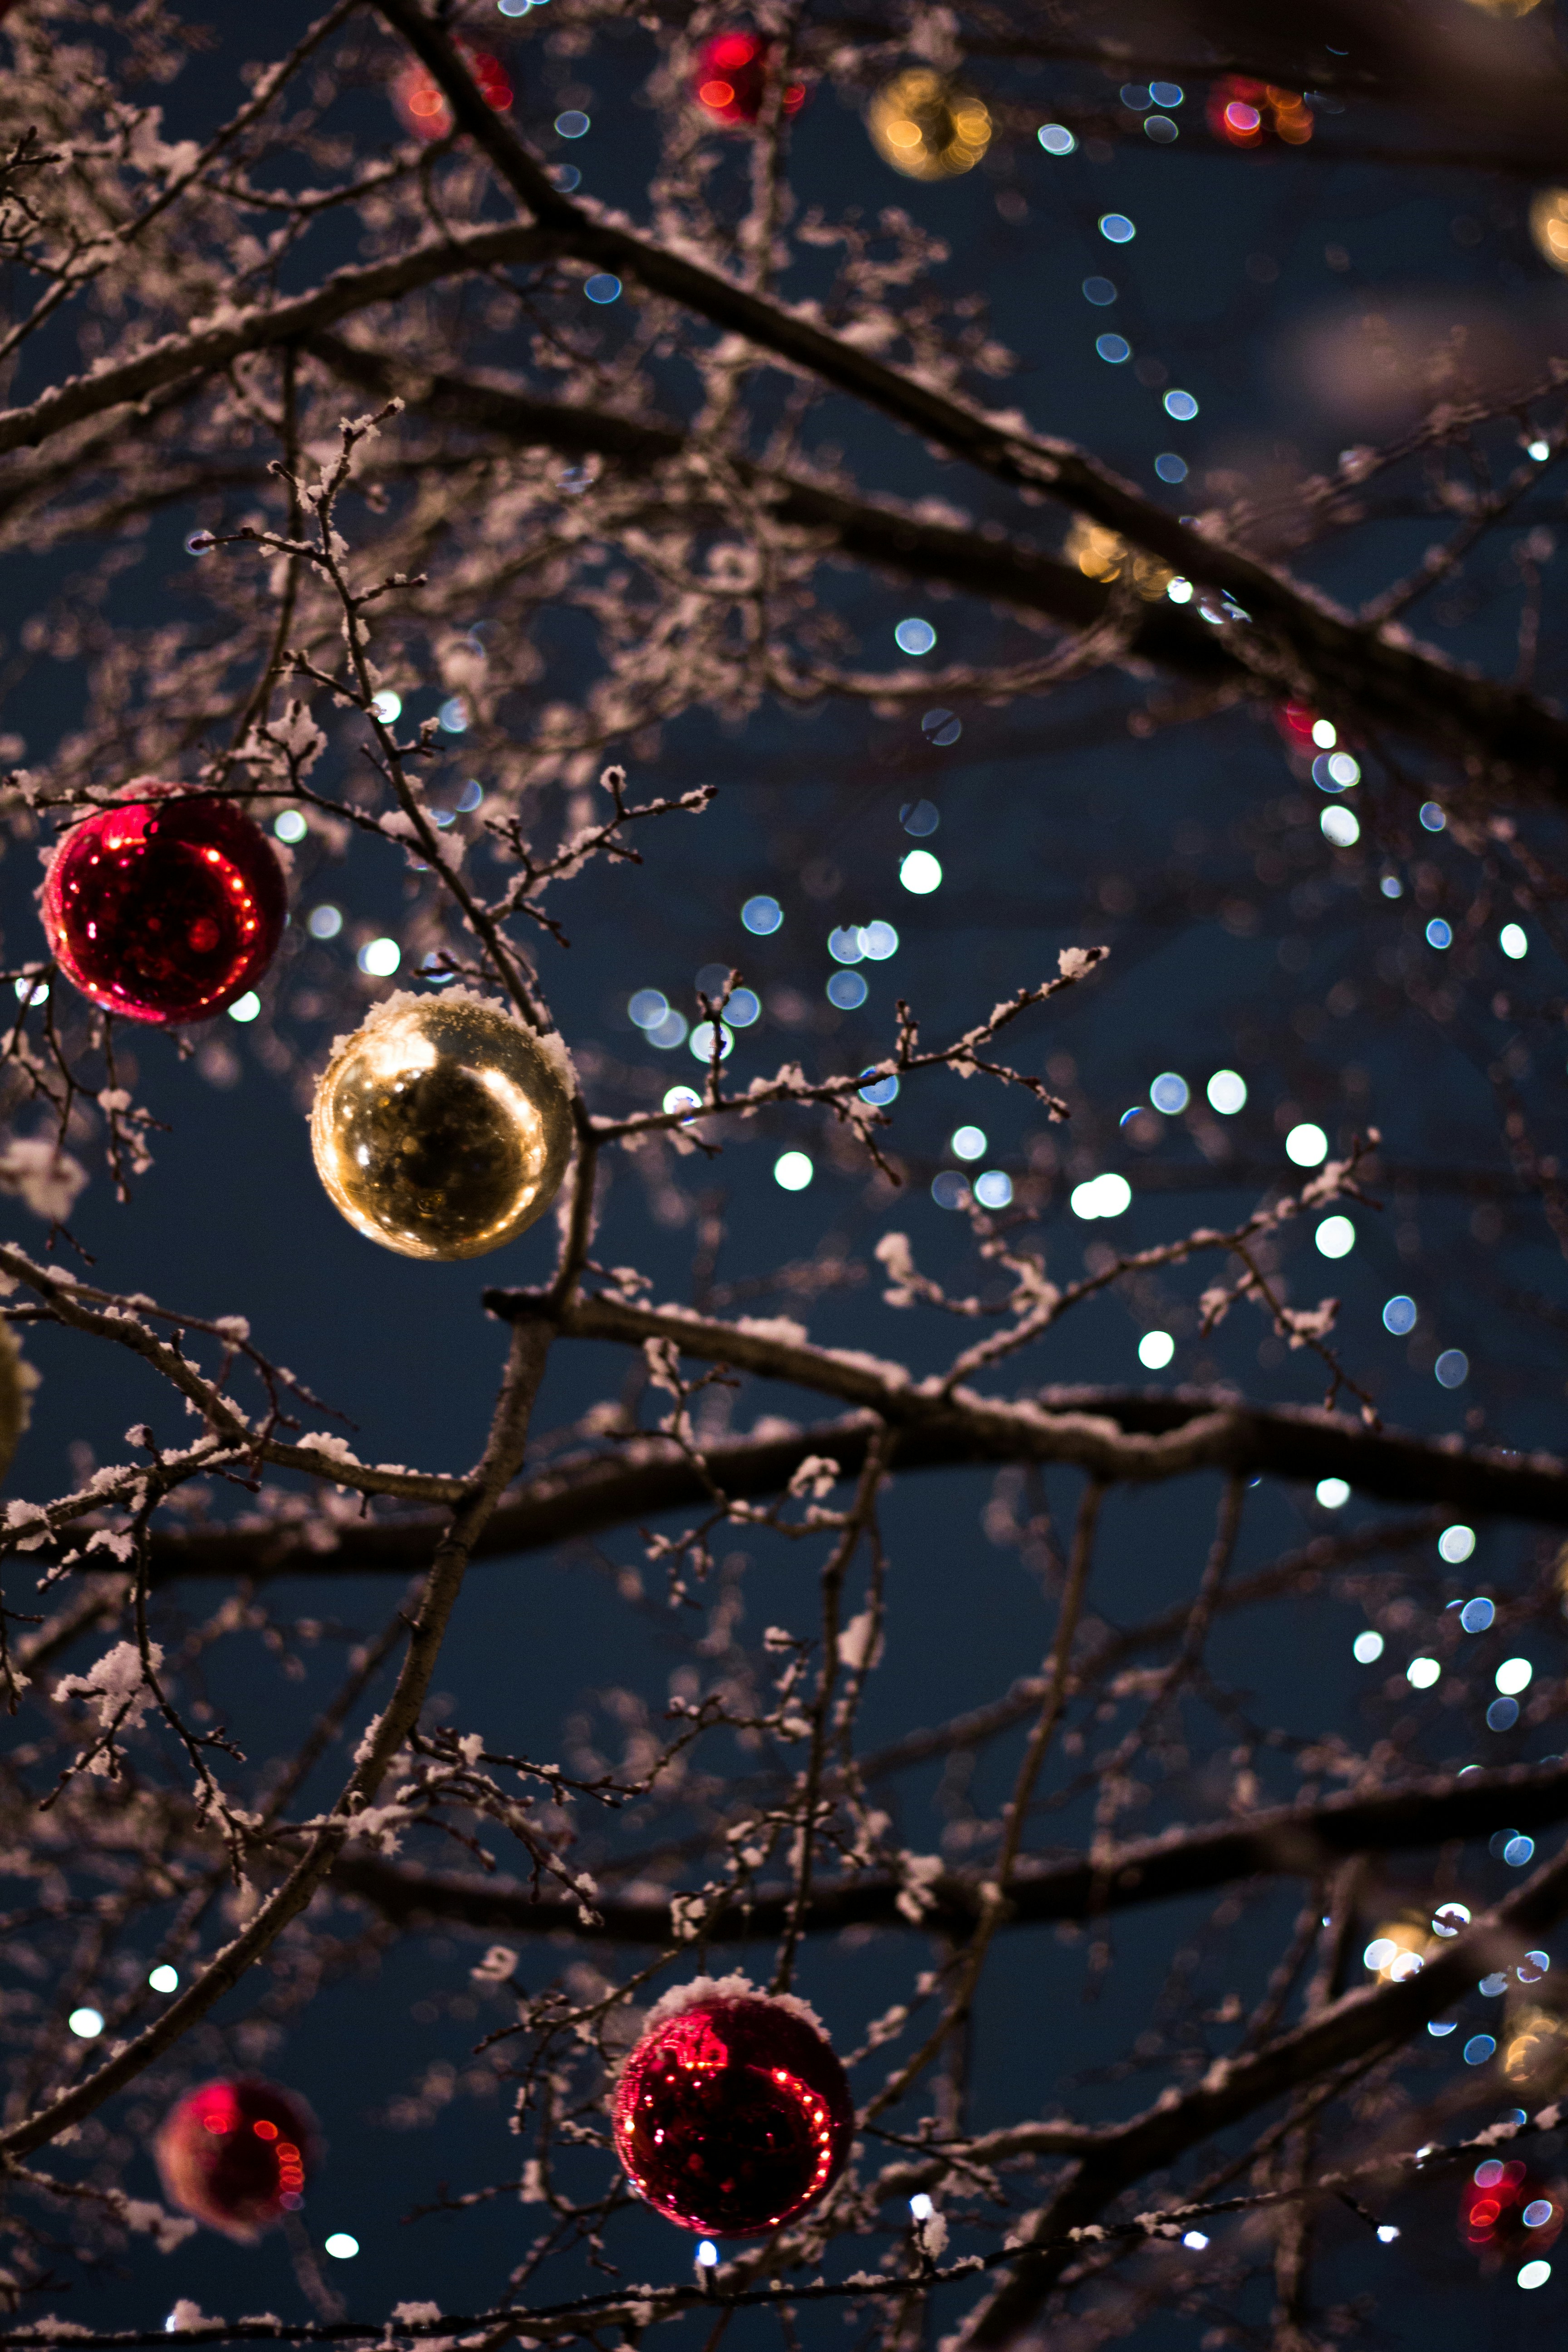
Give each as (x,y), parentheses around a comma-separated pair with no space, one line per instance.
(1245,113)
(1295,721)
(166,907)
(237,2155)
(422,103)
(731,79)
(1493,2207)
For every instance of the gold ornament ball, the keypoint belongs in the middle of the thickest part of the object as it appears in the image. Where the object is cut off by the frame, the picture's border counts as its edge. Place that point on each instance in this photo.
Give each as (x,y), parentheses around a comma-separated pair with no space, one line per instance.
(17,1382)
(1549,226)
(927,127)
(442,1128)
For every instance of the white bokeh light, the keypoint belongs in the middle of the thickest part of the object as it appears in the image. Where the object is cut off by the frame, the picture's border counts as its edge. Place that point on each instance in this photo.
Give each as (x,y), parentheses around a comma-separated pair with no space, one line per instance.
(1101,1196)
(920,872)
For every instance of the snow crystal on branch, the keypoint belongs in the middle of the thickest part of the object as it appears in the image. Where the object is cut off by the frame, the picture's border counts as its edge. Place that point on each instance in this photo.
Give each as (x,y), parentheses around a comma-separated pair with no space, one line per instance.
(118,1689)
(45,1178)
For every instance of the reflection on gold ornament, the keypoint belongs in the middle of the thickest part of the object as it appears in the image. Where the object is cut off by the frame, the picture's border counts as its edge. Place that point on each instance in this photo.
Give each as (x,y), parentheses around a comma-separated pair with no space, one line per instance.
(1103,554)
(927,127)
(1549,226)
(442,1128)
(17,1382)
(1505,7)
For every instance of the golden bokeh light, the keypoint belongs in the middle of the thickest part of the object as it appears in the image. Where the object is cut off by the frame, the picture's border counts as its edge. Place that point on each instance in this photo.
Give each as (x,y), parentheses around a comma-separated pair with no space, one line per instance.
(1549,226)
(927,127)
(1101,555)
(1535,2048)
(1400,1947)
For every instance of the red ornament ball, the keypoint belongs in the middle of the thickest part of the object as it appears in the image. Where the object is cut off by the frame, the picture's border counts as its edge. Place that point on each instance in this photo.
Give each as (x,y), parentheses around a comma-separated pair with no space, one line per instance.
(166,907)
(237,2155)
(733,2113)
(731,79)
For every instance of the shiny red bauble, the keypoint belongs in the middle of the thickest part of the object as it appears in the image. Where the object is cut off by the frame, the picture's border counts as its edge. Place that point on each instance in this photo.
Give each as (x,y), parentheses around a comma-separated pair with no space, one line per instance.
(421,101)
(733,2114)
(237,2155)
(165,907)
(1506,2213)
(731,79)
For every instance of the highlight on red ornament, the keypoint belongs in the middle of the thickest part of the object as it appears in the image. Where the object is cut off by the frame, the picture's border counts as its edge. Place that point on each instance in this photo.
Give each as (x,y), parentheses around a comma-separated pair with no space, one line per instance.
(733,2114)
(421,102)
(731,79)
(237,2155)
(1507,2214)
(1245,113)
(166,907)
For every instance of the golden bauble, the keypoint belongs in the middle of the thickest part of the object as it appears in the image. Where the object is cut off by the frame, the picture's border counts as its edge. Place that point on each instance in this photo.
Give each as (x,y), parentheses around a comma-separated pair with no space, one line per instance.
(1549,226)
(442,1128)
(927,127)
(17,1382)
